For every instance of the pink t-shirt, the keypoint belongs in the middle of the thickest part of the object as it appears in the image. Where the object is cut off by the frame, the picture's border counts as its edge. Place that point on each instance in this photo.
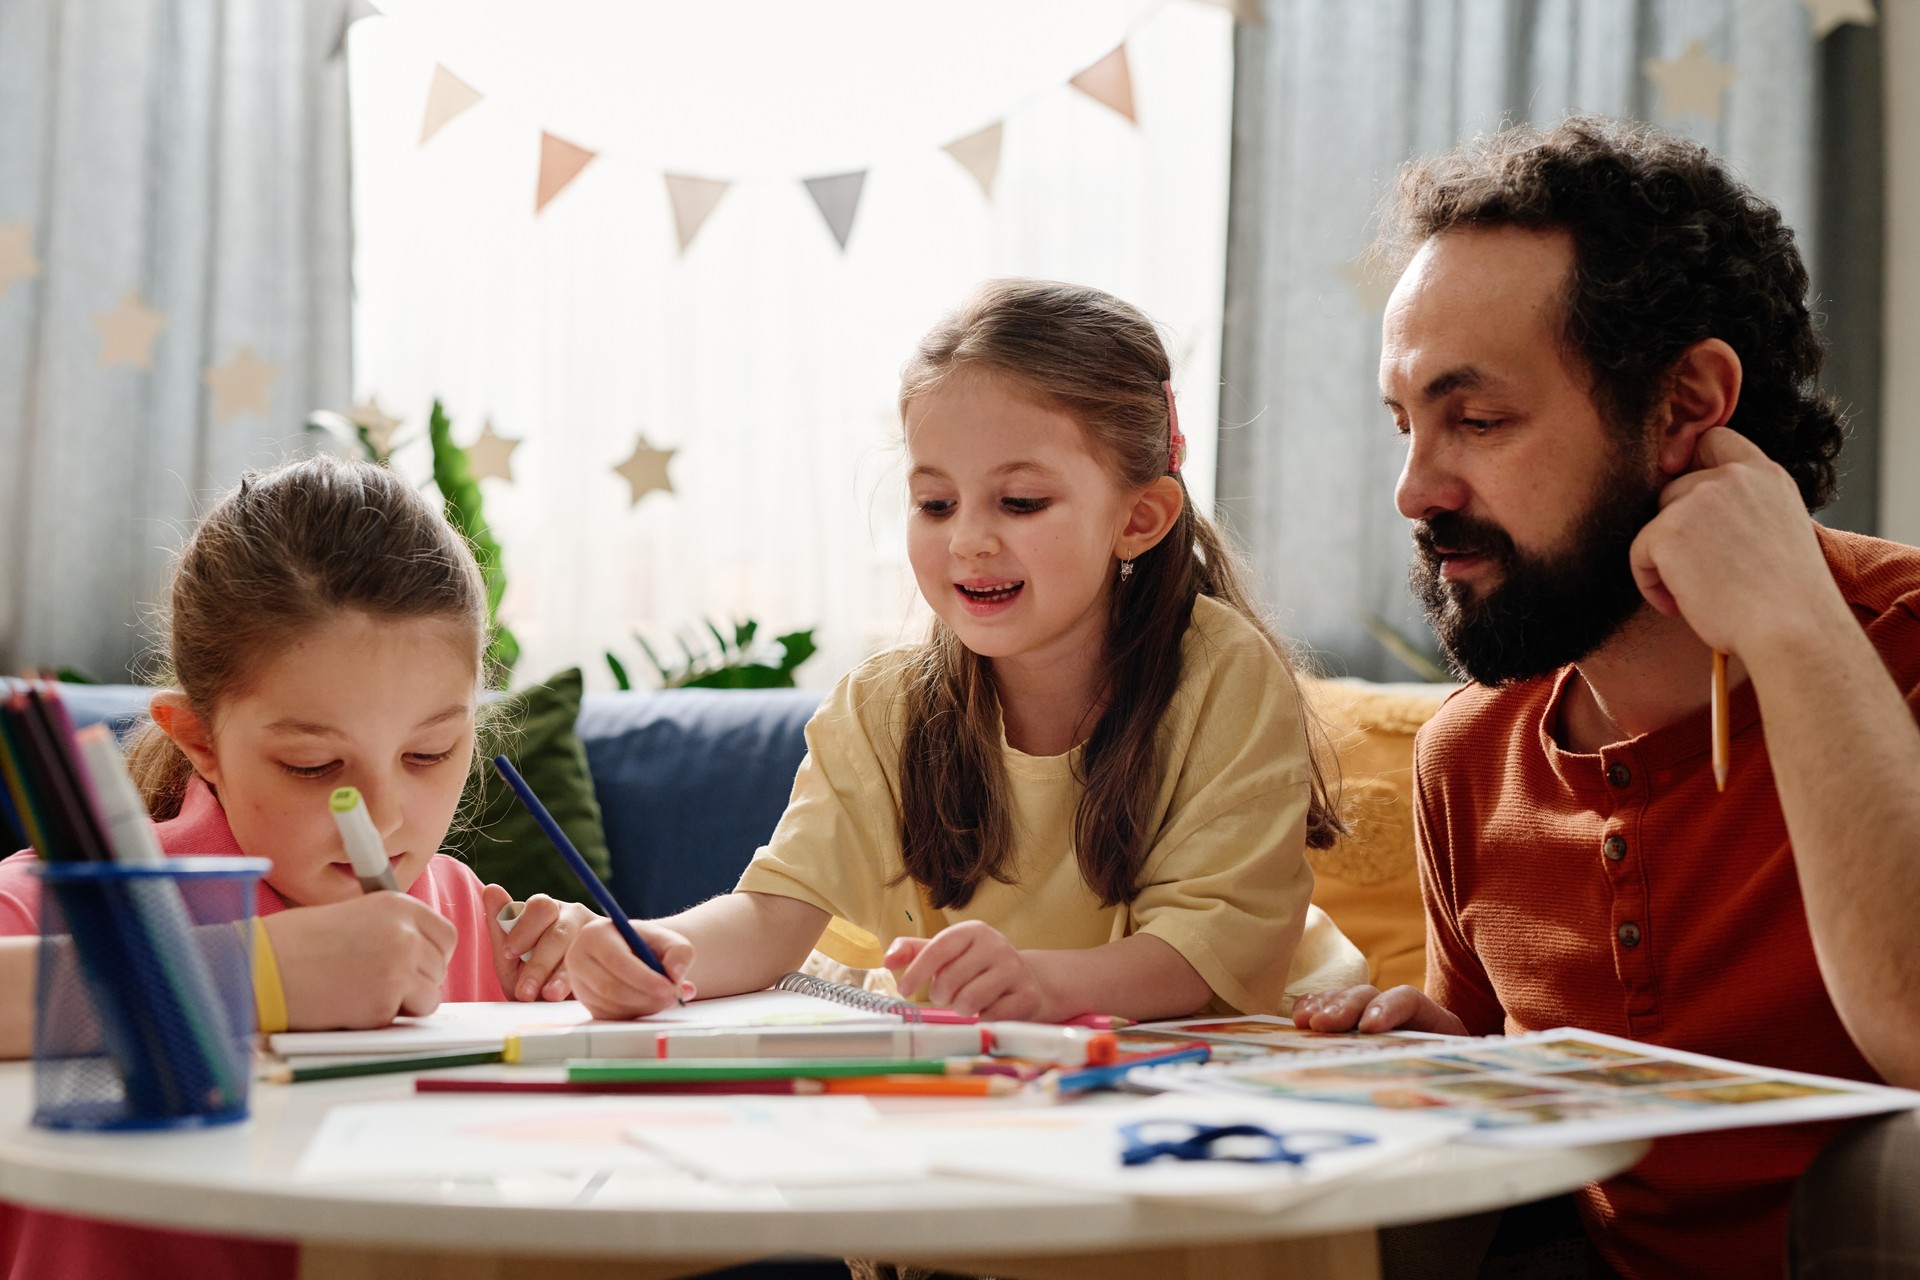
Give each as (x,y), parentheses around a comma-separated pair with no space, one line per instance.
(35,1243)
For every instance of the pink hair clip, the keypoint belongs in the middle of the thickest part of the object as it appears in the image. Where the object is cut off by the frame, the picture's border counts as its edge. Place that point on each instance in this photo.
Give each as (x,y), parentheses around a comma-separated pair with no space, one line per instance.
(1176,443)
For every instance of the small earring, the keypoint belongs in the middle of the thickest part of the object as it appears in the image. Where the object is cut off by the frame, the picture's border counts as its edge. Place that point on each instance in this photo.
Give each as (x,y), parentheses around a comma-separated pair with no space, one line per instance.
(1126,570)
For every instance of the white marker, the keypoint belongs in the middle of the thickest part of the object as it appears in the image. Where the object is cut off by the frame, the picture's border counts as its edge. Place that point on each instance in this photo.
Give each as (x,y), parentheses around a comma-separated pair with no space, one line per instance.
(130,834)
(365,849)
(510,916)
(861,1041)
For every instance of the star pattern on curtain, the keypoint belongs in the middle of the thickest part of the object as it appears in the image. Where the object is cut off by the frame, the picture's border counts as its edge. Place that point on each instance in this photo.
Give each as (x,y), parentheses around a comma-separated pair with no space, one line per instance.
(491,456)
(646,470)
(243,384)
(127,332)
(1693,83)
(16,255)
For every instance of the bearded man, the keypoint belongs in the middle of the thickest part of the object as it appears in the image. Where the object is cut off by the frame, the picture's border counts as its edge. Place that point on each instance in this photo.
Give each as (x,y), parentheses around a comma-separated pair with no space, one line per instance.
(1601,356)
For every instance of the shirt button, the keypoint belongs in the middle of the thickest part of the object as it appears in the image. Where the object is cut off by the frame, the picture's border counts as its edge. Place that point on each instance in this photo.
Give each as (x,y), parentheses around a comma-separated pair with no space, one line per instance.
(1619,775)
(1629,934)
(1616,848)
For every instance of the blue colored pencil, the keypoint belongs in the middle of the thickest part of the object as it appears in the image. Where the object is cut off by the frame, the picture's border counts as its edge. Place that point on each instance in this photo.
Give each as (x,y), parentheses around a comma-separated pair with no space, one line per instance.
(581,870)
(1110,1077)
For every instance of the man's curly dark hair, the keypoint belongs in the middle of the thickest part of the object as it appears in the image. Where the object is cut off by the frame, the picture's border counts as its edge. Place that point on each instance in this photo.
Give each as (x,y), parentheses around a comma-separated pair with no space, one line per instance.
(1669,249)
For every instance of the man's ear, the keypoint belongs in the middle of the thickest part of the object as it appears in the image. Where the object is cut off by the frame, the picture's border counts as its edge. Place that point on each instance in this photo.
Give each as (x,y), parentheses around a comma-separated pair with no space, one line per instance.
(1154,512)
(1703,392)
(178,720)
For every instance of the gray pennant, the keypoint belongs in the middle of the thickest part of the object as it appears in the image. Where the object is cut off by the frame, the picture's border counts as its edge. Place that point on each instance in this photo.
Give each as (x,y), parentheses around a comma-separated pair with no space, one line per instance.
(838,196)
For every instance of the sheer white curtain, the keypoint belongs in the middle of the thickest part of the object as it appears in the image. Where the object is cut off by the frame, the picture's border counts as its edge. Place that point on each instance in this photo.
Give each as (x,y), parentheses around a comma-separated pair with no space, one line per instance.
(1327,108)
(173,193)
(765,356)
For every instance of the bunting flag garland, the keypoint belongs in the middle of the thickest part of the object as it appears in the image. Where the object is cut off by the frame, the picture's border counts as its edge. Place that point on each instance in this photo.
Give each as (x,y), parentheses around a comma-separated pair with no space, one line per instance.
(560,163)
(1692,84)
(1825,15)
(491,456)
(838,196)
(447,97)
(128,331)
(16,255)
(979,154)
(693,202)
(242,385)
(355,10)
(1109,83)
(645,470)
(1251,12)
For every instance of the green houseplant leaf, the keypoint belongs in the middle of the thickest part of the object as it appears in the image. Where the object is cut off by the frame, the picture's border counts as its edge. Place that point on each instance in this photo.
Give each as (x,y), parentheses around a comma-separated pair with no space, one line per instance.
(453,474)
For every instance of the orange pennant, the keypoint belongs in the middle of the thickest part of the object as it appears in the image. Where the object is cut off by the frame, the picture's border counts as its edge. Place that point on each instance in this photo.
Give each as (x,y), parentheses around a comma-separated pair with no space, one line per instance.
(560,163)
(1109,83)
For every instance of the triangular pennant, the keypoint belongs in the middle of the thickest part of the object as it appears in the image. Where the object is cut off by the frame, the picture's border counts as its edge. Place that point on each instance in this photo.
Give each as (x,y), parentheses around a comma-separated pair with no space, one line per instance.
(447,97)
(355,10)
(693,200)
(1109,83)
(837,196)
(979,154)
(1252,12)
(560,163)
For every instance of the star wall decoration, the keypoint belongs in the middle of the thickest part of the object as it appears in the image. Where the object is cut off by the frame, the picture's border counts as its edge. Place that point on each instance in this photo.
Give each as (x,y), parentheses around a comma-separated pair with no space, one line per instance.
(379,425)
(16,255)
(1371,286)
(128,331)
(491,456)
(646,470)
(1825,15)
(242,385)
(1692,84)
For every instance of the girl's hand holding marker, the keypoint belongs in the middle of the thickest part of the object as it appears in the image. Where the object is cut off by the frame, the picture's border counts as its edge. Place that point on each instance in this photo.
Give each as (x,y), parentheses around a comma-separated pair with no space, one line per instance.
(533,965)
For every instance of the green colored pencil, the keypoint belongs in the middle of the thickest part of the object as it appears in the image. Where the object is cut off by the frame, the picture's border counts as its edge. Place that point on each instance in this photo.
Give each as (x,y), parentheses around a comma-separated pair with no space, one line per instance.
(288,1074)
(691,1069)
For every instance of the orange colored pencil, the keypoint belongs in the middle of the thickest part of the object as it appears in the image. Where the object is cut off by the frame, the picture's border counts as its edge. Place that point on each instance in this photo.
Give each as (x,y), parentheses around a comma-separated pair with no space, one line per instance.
(916,1086)
(1722,740)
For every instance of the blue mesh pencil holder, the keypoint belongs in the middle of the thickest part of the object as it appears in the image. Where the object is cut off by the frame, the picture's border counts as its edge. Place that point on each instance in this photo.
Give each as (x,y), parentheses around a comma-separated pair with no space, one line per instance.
(143,1004)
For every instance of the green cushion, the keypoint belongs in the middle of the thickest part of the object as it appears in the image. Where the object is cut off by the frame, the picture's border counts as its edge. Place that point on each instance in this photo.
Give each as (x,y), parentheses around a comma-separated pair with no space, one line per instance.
(498,837)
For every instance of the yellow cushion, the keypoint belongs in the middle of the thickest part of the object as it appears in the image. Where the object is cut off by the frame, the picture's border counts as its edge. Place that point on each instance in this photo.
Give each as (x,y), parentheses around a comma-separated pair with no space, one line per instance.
(1368,881)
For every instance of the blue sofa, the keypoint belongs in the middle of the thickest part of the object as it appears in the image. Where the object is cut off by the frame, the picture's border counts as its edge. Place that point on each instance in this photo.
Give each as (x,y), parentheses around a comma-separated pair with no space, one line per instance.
(690,781)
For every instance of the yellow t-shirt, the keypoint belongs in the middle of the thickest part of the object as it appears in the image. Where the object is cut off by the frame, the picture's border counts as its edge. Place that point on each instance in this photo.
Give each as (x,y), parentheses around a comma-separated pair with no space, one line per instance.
(1226,883)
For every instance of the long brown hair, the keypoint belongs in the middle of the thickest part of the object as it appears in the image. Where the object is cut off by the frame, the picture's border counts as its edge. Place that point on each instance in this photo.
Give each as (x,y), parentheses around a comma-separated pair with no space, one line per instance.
(287,550)
(1102,362)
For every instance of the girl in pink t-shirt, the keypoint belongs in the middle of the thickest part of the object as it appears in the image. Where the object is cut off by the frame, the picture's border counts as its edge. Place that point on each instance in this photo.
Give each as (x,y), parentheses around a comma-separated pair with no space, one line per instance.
(328,629)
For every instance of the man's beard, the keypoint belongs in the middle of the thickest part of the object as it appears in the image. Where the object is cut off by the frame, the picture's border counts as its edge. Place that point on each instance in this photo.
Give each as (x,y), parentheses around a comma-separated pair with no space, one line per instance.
(1546,610)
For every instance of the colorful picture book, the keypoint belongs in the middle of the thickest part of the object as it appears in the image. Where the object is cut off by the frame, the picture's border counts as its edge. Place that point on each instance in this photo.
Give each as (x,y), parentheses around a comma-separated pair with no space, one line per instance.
(1550,1088)
(1260,1037)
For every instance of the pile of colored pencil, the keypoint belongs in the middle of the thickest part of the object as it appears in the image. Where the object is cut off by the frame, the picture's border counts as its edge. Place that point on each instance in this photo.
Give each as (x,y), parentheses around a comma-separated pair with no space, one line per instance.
(143,963)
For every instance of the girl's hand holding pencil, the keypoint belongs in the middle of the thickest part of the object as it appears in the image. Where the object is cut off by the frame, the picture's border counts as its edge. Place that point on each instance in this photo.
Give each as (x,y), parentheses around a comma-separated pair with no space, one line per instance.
(532,966)
(613,982)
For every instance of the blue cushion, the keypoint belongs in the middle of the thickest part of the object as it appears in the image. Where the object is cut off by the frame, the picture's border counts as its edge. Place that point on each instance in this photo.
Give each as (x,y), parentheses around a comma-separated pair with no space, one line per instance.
(119,706)
(690,783)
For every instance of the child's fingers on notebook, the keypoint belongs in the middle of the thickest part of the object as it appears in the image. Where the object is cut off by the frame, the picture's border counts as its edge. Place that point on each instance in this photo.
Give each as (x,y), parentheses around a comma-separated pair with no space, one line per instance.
(998,993)
(539,942)
(945,948)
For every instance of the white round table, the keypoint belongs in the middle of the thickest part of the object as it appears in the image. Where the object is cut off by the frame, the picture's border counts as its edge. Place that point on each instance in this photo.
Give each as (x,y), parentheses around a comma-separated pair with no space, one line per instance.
(240,1179)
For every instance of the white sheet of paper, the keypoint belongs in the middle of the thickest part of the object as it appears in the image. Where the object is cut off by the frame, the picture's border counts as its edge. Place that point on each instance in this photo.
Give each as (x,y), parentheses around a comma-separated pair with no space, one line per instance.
(456,1137)
(480,1025)
(1080,1147)
(807,1154)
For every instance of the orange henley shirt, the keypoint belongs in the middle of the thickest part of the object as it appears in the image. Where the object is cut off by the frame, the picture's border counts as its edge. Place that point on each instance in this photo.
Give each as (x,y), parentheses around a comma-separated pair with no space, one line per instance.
(1618,892)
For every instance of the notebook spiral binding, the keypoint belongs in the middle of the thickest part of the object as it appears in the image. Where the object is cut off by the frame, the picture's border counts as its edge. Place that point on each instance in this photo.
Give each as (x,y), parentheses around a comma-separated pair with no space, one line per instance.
(854,997)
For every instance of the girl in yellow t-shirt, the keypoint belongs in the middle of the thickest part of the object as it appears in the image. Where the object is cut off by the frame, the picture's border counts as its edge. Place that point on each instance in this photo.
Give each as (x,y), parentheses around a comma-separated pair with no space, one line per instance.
(1090,789)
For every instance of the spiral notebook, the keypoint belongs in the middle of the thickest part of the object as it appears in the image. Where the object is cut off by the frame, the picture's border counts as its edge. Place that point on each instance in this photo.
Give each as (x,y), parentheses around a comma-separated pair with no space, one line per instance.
(868,1001)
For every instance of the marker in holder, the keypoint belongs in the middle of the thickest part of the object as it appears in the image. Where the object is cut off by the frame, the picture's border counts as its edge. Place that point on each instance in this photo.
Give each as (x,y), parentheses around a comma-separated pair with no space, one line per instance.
(143,1002)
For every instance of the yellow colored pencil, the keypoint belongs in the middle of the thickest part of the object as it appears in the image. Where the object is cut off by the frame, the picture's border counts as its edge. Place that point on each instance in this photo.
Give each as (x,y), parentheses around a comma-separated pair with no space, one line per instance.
(1722,740)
